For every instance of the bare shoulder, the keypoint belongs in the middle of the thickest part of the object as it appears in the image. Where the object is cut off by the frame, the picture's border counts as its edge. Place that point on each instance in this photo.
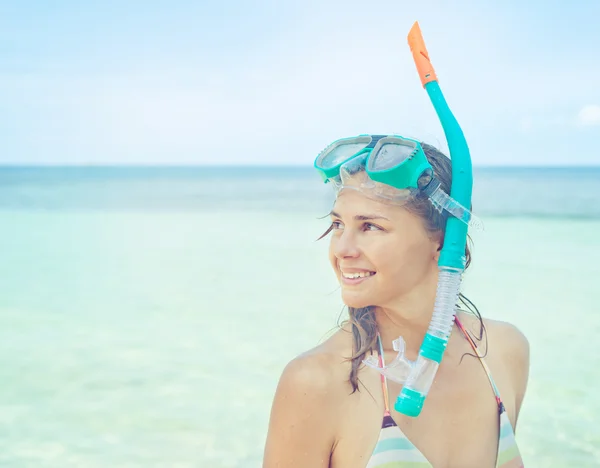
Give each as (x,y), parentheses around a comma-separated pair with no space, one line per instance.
(316,370)
(508,340)
(302,426)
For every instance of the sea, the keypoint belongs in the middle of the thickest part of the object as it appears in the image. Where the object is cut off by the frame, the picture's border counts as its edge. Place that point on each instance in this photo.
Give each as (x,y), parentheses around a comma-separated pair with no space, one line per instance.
(147,312)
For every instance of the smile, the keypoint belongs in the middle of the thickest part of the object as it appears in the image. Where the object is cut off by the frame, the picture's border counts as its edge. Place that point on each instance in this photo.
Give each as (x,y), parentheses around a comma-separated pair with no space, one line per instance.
(352,279)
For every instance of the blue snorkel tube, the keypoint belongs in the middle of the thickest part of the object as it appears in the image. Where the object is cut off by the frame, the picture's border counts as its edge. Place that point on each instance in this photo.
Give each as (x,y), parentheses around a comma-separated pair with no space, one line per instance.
(452,257)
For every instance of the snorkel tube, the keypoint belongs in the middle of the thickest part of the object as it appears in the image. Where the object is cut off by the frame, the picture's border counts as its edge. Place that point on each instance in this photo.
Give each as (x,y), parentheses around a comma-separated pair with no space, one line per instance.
(452,257)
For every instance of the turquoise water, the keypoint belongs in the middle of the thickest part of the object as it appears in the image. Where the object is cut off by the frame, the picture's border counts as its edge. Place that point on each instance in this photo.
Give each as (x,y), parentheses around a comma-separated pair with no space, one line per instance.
(148,312)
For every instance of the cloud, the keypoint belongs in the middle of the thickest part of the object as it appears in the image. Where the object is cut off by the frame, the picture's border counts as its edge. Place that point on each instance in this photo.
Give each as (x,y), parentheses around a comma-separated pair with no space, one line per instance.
(589,115)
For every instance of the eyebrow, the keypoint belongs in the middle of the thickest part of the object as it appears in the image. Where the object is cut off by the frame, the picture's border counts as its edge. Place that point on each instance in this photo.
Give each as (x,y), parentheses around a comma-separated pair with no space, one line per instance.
(360,217)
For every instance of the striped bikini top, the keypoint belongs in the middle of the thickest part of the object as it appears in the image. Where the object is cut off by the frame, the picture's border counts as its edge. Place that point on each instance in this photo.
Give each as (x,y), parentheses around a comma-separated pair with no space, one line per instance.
(394,450)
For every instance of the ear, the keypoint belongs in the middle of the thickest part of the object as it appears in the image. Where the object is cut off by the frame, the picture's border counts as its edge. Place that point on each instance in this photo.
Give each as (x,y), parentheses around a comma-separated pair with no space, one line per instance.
(437,242)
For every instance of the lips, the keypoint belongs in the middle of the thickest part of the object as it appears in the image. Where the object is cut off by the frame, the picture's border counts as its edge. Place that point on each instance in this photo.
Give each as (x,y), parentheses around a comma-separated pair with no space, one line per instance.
(354,276)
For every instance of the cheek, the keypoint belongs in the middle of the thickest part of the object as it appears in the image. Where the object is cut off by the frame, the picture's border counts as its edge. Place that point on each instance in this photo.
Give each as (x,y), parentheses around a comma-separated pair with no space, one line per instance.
(395,266)
(331,253)
(404,262)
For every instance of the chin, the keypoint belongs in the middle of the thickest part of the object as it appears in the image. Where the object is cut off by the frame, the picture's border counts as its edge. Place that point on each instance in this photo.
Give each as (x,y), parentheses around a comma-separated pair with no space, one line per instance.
(357,301)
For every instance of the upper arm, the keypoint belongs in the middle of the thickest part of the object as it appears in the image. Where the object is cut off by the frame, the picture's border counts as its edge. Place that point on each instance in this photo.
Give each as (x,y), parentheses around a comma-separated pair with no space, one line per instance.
(301,425)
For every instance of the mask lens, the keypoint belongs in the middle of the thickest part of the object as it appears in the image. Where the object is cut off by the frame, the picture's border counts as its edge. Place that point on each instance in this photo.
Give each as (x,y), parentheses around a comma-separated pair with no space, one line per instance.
(391,155)
(341,152)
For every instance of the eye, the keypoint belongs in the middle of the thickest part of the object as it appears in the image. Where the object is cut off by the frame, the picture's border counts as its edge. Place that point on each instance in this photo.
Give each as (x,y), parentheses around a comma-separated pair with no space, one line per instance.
(371,227)
(336,225)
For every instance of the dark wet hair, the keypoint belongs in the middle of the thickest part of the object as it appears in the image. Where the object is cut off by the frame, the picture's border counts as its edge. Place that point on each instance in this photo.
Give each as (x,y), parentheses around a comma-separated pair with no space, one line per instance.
(362,320)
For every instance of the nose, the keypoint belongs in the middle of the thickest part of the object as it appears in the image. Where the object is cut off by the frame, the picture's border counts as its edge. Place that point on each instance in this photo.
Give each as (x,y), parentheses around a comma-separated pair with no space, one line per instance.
(345,245)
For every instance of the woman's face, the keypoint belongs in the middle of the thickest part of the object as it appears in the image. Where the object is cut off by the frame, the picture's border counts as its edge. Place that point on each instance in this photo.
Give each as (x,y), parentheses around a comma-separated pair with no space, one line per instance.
(378,251)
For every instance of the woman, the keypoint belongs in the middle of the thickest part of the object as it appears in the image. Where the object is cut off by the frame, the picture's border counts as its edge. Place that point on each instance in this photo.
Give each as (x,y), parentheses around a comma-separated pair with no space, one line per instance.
(332,411)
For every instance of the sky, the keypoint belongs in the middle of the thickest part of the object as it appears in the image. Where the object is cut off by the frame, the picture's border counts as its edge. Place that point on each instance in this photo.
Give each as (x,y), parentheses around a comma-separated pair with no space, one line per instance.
(274,82)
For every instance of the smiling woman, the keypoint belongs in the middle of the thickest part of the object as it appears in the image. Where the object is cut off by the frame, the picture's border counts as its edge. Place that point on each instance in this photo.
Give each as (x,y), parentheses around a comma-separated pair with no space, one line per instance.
(332,411)
(398,247)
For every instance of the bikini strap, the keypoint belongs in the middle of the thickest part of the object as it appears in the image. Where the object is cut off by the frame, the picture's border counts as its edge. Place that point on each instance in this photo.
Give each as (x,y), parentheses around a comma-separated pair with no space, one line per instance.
(383,378)
(483,363)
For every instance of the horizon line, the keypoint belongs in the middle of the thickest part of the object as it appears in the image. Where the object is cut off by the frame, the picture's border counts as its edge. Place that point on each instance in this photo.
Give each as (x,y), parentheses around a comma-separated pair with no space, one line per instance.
(259,166)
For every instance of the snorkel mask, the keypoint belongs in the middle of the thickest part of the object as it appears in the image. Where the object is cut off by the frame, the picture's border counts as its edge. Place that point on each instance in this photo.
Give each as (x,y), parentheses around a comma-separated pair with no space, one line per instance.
(395,169)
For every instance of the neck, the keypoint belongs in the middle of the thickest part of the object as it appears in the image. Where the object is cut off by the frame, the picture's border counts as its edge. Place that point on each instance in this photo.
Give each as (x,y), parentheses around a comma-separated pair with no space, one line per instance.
(408,316)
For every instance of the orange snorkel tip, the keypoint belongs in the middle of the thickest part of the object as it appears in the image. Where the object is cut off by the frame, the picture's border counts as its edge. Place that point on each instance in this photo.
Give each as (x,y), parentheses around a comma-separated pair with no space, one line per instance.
(420,55)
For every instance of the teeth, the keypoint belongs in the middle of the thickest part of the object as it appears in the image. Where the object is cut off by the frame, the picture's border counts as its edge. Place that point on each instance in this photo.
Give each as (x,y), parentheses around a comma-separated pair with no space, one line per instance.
(362,274)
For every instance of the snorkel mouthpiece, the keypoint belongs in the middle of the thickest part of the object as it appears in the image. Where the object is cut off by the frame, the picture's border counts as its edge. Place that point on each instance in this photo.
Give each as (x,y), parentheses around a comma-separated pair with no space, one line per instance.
(452,257)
